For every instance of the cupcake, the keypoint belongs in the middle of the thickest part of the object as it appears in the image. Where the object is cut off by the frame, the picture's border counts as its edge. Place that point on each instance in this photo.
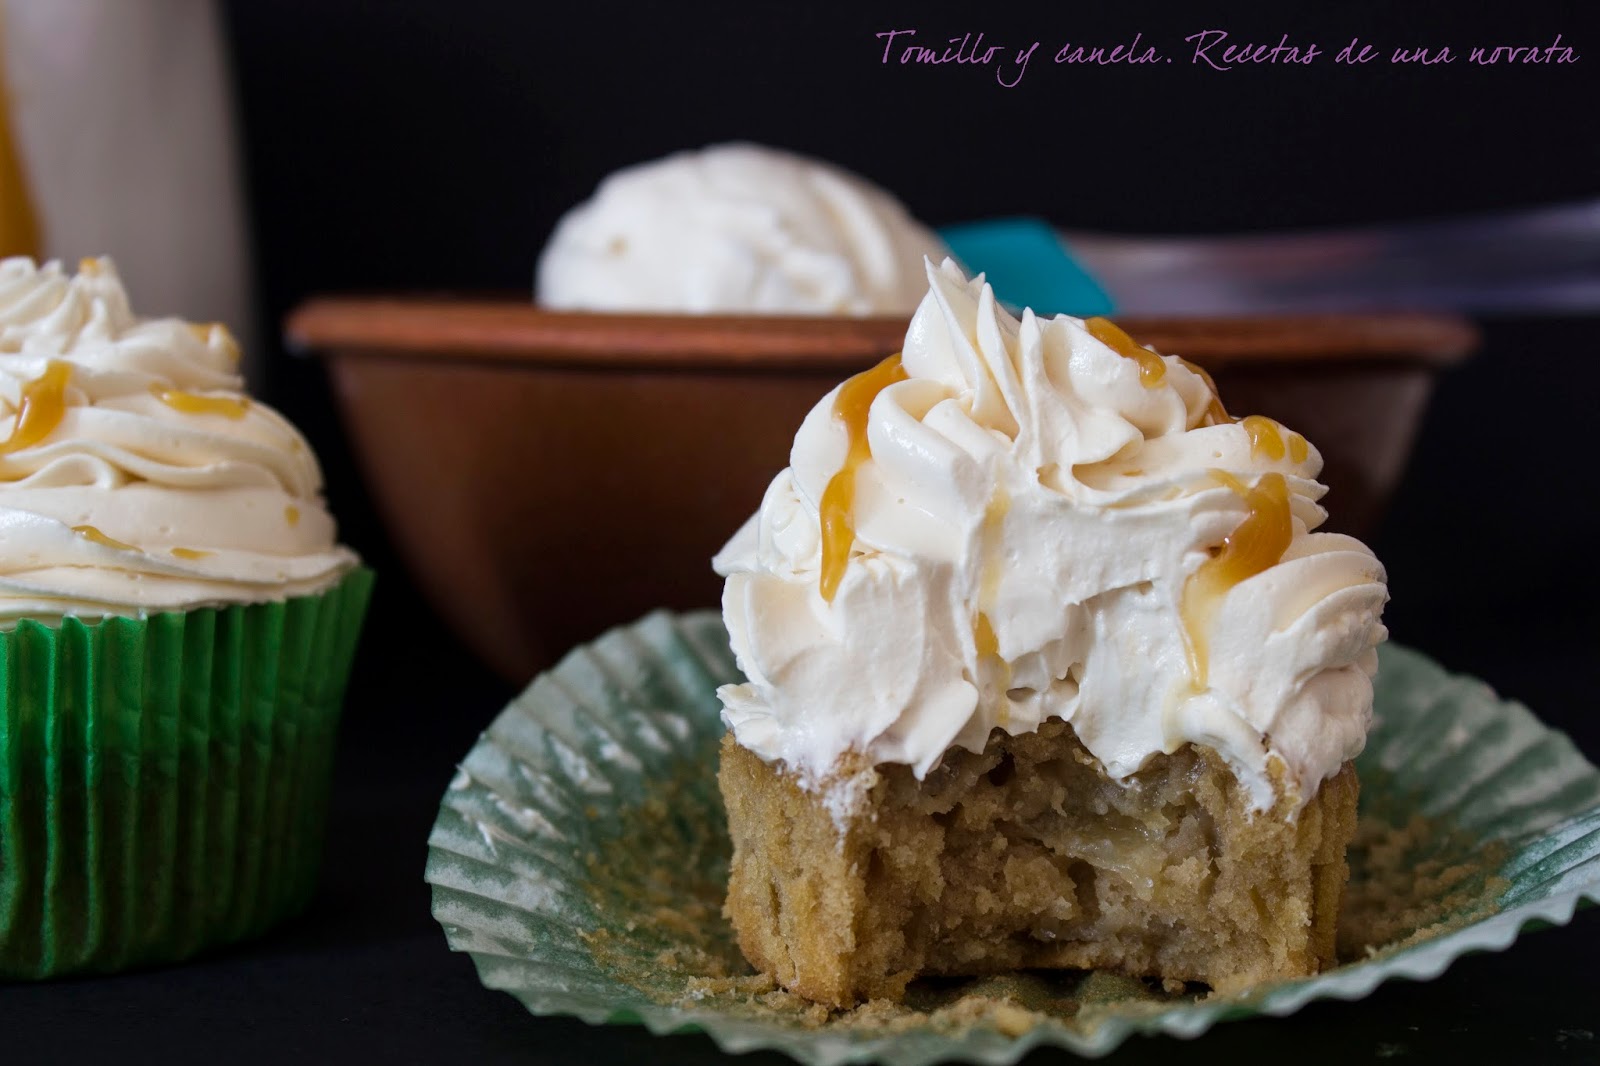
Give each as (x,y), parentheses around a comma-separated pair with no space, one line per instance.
(736,229)
(178,626)
(1046,667)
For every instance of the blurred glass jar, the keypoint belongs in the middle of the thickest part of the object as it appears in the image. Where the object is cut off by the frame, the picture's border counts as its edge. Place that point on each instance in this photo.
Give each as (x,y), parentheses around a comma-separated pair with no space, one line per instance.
(121,124)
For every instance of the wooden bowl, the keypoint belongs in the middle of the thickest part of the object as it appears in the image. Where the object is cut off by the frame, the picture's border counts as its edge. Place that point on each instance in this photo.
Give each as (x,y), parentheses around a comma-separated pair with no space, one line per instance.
(547,475)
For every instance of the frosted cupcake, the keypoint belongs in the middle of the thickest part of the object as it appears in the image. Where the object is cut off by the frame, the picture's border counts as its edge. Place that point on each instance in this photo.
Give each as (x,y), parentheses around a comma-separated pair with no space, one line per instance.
(737,229)
(178,625)
(1047,667)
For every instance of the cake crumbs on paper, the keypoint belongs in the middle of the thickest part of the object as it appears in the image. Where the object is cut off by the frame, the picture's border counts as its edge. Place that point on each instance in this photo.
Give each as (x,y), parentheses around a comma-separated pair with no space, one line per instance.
(657,894)
(1414,880)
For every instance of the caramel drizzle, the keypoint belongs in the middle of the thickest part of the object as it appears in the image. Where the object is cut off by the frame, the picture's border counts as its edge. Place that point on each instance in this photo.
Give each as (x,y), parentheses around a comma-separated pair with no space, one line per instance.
(205,331)
(1214,409)
(42,407)
(1256,544)
(1269,440)
(191,403)
(983,635)
(291,515)
(1265,434)
(90,533)
(994,516)
(1266,437)
(1298,448)
(1152,368)
(191,553)
(835,511)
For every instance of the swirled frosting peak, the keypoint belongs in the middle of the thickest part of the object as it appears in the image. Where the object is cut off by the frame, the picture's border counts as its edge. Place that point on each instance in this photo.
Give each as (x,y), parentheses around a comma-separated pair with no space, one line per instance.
(1017,520)
(135,474)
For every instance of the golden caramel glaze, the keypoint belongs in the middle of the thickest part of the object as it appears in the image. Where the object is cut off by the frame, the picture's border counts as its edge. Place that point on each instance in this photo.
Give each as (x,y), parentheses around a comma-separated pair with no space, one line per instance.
(204,331)
(983,634)
(43,405)
(1298,448)
(93,534)
(1229,481)
(191,403)
(836,510)
(1255,544)
(1152,368)
(994,516)
(1218,413)
(1266,437)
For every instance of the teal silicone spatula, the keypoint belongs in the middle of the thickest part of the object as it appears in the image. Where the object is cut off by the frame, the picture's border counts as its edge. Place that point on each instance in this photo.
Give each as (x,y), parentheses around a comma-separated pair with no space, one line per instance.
(1028,266)
(1540,260)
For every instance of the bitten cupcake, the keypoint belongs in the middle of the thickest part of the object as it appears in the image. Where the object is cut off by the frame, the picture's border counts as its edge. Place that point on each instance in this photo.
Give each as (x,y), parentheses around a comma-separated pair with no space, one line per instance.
(177,622)
(1048,667)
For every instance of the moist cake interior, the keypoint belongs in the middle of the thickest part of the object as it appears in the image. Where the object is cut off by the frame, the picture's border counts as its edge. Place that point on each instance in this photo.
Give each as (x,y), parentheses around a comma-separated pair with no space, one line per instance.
(1027,855)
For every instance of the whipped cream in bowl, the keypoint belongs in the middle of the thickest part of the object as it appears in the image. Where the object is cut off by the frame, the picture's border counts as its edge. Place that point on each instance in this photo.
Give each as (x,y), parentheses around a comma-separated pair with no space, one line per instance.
(137,476)
(736,228)
(1022,519)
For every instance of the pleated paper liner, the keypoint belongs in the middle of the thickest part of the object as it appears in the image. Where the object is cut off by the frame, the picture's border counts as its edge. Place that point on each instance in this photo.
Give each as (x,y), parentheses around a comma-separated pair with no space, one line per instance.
(580,857)
(164,782)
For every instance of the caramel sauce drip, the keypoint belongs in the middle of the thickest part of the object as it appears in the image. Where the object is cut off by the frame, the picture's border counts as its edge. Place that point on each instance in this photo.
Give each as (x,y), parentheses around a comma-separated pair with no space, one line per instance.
(43,405)
(203,332)
(93,534)
(1219,414)
(1266,437)
(1298,448)
(983,636)
(1152,368)
(1229,481)
(190,403)
(291,515)
(191,553)
(988,646)
(1256,544)
(835,512)
(994,516)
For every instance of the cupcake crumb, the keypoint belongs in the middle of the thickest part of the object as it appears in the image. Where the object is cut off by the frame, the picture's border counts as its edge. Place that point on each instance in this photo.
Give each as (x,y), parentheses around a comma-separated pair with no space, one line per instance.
(657,898)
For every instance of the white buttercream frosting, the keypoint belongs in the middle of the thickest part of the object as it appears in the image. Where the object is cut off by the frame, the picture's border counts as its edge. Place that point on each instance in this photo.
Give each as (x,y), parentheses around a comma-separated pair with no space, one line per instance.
(737,228)
(154,483)
(1024,472)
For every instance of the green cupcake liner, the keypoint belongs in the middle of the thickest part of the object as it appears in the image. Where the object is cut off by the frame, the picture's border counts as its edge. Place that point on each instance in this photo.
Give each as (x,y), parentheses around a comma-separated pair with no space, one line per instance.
(580,857)
(164,781)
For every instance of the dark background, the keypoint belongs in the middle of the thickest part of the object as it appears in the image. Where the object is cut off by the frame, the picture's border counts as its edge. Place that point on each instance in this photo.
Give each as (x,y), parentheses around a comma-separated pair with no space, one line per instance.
(406,145)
